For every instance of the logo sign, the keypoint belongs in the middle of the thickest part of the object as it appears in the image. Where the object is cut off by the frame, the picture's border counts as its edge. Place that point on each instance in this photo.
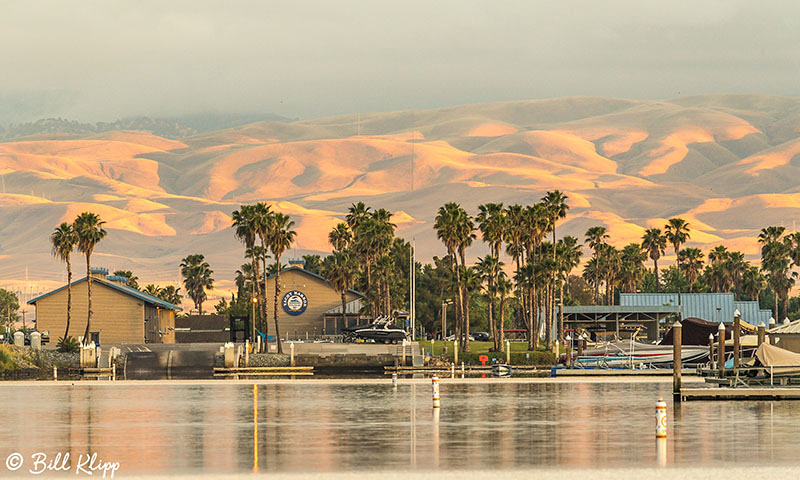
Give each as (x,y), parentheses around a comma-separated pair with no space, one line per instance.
(295,302)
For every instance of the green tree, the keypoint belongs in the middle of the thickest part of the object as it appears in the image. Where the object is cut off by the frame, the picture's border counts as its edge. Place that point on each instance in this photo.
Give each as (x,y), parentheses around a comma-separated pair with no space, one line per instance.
(691,264)
(133,280)
(280,239)
(9,305)
(596,239)
(89,230)
(340,269)
(655,244)
(62,242)
(197,279)
(677,232)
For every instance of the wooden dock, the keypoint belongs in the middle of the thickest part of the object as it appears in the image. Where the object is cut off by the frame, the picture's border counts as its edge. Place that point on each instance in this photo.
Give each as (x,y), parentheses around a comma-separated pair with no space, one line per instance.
(406,370)
(620,372)
(765,393)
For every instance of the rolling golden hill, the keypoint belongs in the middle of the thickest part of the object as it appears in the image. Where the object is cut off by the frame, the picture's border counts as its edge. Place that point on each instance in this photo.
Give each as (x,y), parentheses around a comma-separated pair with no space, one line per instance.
(727,163)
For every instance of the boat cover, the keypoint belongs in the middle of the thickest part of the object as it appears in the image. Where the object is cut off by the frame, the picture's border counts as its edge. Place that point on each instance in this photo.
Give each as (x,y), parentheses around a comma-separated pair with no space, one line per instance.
(695,332)
(772,356)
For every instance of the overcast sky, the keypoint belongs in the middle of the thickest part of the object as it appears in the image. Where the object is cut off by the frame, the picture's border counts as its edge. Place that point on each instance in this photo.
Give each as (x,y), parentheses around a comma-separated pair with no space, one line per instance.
(104,60)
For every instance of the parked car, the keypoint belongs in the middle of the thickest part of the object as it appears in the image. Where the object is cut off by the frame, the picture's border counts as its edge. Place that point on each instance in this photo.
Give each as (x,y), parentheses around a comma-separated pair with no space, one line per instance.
(480,337)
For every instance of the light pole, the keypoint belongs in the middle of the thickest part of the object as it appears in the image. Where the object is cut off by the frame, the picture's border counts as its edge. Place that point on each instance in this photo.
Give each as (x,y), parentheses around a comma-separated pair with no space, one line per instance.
(445,303)
(253,302)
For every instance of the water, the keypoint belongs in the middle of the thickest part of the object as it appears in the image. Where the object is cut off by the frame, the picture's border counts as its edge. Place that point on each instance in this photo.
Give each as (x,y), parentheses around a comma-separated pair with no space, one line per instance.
(327,426)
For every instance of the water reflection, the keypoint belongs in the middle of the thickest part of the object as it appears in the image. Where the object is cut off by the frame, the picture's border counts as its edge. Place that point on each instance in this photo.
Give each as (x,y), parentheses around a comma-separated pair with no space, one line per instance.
(321,426)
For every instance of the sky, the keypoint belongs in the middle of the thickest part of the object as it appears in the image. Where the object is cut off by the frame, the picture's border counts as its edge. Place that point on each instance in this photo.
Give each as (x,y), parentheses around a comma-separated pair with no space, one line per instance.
(100,61)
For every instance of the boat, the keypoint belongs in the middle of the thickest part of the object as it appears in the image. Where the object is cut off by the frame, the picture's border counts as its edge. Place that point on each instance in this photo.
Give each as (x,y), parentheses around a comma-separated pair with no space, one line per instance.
(501,370)
(382,330)
(632,354)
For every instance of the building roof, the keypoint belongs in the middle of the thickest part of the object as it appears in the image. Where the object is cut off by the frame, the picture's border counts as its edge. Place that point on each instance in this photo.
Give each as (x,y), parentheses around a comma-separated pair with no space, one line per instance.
(319,277)
(701,305)
(791,327)
(121,288)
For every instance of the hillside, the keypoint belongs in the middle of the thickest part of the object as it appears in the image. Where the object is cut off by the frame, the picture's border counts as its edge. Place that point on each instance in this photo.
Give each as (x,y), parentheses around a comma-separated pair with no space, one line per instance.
(728,164)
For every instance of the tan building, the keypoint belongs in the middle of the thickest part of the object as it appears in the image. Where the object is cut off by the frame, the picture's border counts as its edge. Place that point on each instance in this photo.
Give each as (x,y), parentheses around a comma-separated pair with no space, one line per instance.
(120,314)
(308,304)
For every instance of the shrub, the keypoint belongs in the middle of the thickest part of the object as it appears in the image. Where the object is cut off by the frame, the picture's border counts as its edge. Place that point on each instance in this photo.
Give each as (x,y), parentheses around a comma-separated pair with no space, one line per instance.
(68,345)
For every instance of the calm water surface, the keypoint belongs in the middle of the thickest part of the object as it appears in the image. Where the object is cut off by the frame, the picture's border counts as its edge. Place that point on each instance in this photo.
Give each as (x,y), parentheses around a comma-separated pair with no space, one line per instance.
(328,426)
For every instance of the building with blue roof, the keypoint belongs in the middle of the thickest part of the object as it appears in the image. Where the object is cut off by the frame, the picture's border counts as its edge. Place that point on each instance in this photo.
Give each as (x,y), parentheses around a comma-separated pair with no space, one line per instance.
(711,307)
(120,314)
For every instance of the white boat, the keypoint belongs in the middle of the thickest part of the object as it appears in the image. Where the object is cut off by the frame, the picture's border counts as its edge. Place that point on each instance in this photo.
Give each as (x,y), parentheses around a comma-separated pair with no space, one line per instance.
(631,354)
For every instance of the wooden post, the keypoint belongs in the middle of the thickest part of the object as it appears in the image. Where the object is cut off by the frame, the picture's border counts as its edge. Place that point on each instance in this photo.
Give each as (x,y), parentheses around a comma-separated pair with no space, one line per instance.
(770,327)
(761,333)
(677,360)
(580,346)
(721,349)
(736,344)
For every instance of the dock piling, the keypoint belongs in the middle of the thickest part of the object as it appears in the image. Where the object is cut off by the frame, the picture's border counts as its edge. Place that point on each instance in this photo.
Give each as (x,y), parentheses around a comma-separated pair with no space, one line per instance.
(677,360)
(711,363)
(721,349)
(761,333)
(736,343)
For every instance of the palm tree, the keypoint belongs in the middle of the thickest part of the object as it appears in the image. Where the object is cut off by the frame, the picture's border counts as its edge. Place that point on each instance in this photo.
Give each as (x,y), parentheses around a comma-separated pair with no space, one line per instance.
(197,279)
(568,256)
(677,232)
(632,268)
(245,230)
(492,225)
(470,281)
(170,294)
(357,213)
(654,243)
(339,268)
(776,261)
(62,241)
(152,290)
(752,282)
(691,261)
(281,239)
(595,239)
(489,267)
(446,228)
(555,204)
(89,232)
(340,237)
(502,288)
(263,222)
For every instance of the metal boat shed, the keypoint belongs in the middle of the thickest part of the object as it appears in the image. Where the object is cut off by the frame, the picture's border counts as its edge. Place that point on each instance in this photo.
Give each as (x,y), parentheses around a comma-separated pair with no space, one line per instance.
(618,318)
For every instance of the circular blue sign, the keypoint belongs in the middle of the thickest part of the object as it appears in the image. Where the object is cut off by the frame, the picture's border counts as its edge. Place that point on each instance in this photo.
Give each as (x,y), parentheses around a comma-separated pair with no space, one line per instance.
(295,302)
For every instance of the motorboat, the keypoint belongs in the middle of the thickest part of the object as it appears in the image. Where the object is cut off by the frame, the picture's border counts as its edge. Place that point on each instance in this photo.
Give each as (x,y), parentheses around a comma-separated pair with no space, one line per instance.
(501,370)
(382,330)
(632,354)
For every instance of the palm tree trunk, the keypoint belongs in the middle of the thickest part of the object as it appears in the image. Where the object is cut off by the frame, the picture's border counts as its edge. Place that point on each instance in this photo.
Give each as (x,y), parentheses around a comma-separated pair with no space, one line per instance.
(561,314)
(275,311)
(344,307)
(655,267)
(89,291)
(69,296)
(466,320)
(678,262)
(262,301)
(500,333)
(547,325)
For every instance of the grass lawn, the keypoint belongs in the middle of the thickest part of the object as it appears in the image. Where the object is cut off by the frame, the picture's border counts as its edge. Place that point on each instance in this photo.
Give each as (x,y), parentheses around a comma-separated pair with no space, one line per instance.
(476,349)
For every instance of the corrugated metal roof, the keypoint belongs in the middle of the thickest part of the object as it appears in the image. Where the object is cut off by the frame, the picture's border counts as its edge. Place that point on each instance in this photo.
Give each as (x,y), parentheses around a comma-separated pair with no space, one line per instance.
(753,314)
(701,305)
(621,309)
(122,288)
(791,327)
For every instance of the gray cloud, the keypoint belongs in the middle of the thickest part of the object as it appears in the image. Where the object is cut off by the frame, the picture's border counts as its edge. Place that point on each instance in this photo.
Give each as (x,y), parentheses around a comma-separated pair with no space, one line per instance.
(104,60)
